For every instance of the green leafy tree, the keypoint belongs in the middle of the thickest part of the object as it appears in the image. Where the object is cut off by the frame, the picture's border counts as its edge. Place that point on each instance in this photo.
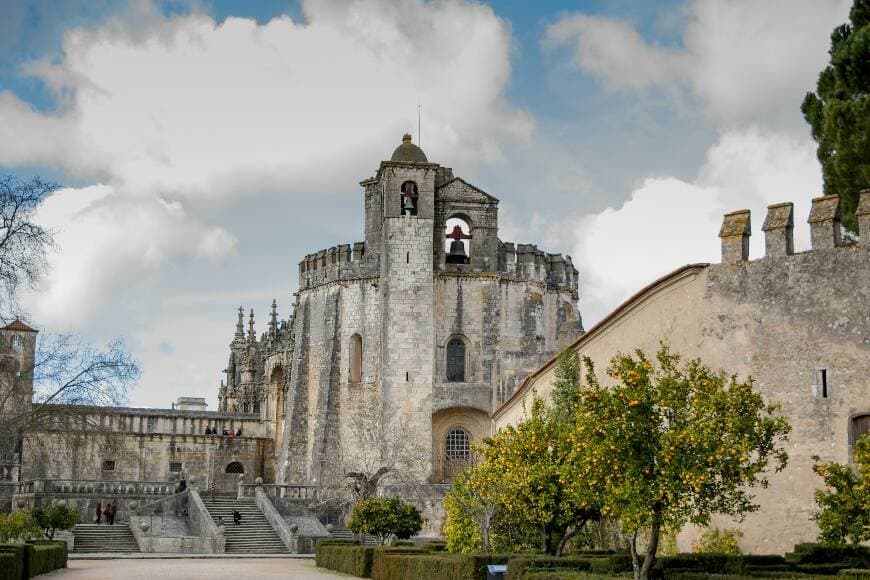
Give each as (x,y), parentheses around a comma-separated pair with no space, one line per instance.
(385,517)
(54,518)
(716,541)
(534,462)
(839,112)
(844,507)
(566,387)
(673,445)
(472,508)
(17,526)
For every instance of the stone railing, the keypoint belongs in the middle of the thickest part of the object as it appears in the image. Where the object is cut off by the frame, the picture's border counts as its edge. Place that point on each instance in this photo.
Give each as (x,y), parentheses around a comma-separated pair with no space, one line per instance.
(80,487)
(285,532)
(292,492)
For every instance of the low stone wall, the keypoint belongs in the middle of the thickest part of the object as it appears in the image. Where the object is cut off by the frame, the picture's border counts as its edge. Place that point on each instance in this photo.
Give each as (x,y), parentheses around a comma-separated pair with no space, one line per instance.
(284,531)
(202,524)
(151,539)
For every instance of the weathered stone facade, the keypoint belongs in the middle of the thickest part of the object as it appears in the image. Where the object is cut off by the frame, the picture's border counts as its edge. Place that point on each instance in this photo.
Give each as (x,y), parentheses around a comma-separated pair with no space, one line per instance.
(799,324)
(377,318)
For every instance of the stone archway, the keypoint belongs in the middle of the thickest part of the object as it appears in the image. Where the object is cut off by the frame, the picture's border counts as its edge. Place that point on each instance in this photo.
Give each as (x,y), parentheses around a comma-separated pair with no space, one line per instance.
(454,431)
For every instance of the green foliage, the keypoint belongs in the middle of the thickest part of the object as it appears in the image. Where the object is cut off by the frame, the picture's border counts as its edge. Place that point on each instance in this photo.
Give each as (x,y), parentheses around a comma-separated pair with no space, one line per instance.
(839,112)
(716,541)
(843,555)
(853,574)
(672,445)
(476,520)
(12,562)
(519,567)
(844,506)
(413,565)
(384,517)
(533,463)
(27,560)
(566,387)
(55,518)
(346,558)
(18,526)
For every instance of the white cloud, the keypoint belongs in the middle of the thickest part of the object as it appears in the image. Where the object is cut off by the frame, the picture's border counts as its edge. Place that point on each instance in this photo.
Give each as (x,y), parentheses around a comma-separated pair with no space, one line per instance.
(748,62)
(175,115)
(668,222)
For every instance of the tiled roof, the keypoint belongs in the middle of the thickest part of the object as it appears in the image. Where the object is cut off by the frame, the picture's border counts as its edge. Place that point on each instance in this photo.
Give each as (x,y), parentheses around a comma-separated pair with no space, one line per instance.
(17,324)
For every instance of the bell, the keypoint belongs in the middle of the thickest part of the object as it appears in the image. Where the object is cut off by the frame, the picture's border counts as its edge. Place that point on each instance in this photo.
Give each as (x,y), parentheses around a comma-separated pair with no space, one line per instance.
(457,255)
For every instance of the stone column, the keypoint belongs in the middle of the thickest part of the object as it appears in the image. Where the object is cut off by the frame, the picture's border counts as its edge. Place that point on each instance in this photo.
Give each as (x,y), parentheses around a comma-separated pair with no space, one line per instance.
(779,230)
(863,215)
(824,222)
(735,234)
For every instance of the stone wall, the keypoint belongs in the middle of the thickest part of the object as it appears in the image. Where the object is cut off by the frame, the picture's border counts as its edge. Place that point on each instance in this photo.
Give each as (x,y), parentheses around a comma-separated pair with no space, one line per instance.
(781,319)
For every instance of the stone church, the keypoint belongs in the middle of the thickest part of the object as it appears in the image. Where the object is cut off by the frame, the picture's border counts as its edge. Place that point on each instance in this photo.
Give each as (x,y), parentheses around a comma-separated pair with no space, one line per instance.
(432,316)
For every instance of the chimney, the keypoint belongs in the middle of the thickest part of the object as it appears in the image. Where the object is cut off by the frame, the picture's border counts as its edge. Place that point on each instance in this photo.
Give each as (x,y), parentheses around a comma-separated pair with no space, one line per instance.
(779,230)
(863,215)
(735,234)
(824,222)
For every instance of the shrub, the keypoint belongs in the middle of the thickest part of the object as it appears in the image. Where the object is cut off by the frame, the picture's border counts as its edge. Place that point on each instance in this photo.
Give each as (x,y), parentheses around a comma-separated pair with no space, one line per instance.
(384,517)
(11,565)
(562,575)
(409,565)
(519,566)
(18,526)
(853,573)
(716,541)
(54,518)
(342,557)
(669,566)
(613,564)
(45,557)
(850,556)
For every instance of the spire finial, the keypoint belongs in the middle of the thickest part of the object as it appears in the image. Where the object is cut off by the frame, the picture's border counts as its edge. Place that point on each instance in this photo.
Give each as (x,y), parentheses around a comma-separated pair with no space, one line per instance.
(406,138)
(273,321)
(240,325)
(251,336)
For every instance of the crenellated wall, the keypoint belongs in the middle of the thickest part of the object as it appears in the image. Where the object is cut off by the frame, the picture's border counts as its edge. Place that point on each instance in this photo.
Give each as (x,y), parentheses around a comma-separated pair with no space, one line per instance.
(783,319)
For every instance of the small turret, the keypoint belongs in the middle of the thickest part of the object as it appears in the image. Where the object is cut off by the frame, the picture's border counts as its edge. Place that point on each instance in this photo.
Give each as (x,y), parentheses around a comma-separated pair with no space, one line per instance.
(240,326)
(251,336)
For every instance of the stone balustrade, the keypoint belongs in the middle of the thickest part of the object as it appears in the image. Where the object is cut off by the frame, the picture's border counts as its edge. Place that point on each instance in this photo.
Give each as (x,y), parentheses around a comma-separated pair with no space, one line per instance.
(292,492)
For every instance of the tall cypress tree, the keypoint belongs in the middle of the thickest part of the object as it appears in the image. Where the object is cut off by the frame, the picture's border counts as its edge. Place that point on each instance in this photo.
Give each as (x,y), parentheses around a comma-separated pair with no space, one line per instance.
(839,113)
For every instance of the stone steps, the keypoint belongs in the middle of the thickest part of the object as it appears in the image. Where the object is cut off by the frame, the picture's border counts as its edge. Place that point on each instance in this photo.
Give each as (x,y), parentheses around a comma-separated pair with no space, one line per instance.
(104,538)
(254,535)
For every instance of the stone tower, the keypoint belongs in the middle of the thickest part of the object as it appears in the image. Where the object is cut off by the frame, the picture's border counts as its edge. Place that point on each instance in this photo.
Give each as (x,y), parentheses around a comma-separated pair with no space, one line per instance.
(17,353)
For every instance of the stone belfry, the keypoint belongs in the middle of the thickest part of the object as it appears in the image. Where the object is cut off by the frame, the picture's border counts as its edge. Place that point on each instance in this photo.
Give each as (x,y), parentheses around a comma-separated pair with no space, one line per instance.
(400,202)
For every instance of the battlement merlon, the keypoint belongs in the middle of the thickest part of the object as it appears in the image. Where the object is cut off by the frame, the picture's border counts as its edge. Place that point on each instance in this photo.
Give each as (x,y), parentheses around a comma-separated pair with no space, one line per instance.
(526,261)
(825,229)
(341,262)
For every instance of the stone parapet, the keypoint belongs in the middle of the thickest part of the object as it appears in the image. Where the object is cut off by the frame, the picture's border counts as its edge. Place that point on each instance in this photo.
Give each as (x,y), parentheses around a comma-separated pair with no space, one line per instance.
(342,262)
(863,214)
(824,222)
(527,262)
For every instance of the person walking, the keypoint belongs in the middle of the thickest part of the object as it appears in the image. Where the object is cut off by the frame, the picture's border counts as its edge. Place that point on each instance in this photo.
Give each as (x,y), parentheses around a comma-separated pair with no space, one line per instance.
(113,507)
(239,432)
(99,511)
(237,517)
(232,432)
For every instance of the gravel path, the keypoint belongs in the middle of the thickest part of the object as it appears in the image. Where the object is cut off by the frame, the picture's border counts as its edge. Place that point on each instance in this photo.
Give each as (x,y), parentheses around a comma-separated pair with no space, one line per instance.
(218,569)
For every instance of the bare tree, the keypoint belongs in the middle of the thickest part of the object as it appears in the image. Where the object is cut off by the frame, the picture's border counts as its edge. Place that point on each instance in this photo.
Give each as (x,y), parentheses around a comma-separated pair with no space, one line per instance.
(376,448)
(23,243)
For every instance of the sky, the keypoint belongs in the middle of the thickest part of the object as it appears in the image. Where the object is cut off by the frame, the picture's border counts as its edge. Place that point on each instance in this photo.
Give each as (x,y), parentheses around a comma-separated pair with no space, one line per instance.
(204,147)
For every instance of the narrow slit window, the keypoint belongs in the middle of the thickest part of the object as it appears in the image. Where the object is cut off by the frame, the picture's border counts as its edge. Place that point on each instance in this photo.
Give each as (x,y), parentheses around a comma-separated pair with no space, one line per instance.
(824,381)
(407,376)
(408,257)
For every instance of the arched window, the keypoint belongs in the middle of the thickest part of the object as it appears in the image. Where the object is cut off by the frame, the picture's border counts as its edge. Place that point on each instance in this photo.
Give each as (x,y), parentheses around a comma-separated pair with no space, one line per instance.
(860,426)
(457,248)
(458,445)
(234,467)
(456,361)
(409,197)
(356,359)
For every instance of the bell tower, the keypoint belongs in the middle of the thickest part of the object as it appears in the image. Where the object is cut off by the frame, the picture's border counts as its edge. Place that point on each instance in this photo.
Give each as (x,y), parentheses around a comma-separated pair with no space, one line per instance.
(406,184)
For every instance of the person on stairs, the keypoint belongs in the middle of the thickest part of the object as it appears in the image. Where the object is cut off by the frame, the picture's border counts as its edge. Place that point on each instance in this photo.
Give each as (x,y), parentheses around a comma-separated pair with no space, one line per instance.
(99,511)
(237,517)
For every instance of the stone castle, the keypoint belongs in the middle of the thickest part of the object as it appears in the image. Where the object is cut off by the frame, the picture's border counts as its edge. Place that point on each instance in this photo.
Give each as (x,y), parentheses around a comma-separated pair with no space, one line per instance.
(434,327)
(431,315)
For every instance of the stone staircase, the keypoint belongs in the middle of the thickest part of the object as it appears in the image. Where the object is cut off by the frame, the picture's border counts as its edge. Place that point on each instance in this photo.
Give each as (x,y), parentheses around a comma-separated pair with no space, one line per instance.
(342,533)
(254,535)
(104,538)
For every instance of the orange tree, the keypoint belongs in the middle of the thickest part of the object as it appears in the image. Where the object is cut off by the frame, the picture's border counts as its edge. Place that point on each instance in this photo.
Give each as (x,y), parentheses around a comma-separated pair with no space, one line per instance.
(844,506)
(533,462)
(671,445)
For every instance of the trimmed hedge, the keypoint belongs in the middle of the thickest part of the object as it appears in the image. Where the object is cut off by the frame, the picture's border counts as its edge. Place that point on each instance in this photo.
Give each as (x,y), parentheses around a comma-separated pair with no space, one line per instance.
(853,574)
(22,561)
(848,556)
(519,567)
(343,557)
(564,576)
(408,564)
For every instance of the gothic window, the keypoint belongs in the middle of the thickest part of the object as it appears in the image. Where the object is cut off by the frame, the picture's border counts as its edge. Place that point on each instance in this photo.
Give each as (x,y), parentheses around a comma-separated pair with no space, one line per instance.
(17,342)
(108,466)
(174,467)
(234,467)
(409,197)
(356,359)
(456,361)
(458,446)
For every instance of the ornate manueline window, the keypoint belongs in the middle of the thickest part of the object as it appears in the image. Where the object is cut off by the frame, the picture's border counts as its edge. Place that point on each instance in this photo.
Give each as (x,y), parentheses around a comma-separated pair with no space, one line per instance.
(234,467)
(456,360)
(458,445)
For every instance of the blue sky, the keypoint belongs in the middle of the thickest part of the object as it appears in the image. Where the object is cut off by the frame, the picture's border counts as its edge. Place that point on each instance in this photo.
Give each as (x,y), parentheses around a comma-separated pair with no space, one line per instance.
(205,147)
